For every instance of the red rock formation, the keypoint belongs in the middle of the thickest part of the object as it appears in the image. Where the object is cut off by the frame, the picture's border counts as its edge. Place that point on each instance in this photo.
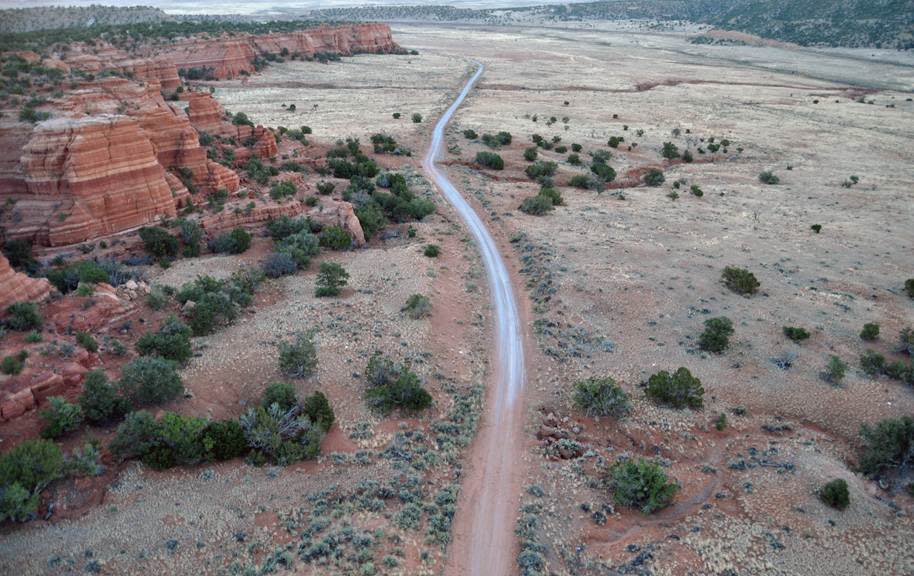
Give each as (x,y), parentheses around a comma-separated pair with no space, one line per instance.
(207,115)
(222,178)
(332,212)
(232,56)
(70,315)
(17,287)
(89,177)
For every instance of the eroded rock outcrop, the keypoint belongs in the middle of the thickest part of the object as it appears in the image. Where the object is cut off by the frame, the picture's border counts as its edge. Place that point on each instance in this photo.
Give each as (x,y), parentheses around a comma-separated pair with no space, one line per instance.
(18,287)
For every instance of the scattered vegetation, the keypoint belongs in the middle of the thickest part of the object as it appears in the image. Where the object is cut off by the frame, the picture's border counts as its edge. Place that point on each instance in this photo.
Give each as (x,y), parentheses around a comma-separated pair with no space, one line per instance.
(716,336)
(601,397)
(641,484)
(330,279)
(835,494)
(677,390)
(740,280)
(298,359)
(394,386)
(795,333)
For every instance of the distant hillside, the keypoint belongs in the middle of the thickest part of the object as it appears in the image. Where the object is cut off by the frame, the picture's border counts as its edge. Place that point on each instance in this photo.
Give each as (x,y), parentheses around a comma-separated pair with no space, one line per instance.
(51,17)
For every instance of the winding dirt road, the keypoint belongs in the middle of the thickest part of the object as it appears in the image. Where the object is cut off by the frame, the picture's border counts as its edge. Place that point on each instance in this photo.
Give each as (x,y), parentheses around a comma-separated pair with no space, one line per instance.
(484,525)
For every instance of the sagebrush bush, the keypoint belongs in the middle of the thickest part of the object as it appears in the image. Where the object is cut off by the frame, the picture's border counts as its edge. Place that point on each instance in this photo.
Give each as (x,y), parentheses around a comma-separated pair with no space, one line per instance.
(677,390)
(23,316)
(61,417)
(26,470)
(301,246)
(298,359)
(835,494)
(869,332)
(601,397)
(99,400)
(835,370)
(394,386)
(641,484)
(740,280)
(280,436)
(716,336)
(335,238)
(331,278)
(171,342)
(278,264)
(150,380)
(417,306)
(888,445)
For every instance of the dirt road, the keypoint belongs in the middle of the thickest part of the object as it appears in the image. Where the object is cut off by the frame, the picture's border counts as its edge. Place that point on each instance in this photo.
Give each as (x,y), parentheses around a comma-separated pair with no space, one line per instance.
(484,525)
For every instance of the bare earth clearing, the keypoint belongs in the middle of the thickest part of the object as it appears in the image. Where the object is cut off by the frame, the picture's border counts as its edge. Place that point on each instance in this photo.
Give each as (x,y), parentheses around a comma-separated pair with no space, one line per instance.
(617,284)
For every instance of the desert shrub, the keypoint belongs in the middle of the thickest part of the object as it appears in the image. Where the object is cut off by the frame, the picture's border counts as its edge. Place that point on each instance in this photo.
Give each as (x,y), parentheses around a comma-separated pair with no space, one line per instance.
(739,280)
(372,218)
(68,278)
(99,401)
(540,169)
(281,190)
(158,242)
(300,246)
(216,302)
(383,143)
(870,332)
(554,195)
(14,363)
(23,316)
(641,484)
(137,435)
(26,470)
(157,298)
(317,408)
(687,157)
(496,140)
(280,436)
(899,371)
(669,151)
(872,363)
(278,264)
(909,287)
(677,390)
(335,238)
(835,494)
(178,441)
(490,160)
(470,134)
(331,278)
(906,341)
(887,445)
(280,393)
(235,242)
(579,181)
(614,141)
(171,342)
(696,191)
(149,380)
(19,255)
(768,177)
(396,115)
(241,119)
(224,440)
(654,177)
(298,359)
(417,118)
(60,418)
(574,159)
(601,397)
(394,386)
(716,336)
(432,251)
(835,370)
(86,340)
(530,154)
(536,205)
(325,188)
(417,306)
(795,333)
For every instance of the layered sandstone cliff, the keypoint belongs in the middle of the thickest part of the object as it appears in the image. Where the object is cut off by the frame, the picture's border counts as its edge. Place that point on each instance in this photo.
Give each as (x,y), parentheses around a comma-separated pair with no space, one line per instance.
(231,56)
(17,287)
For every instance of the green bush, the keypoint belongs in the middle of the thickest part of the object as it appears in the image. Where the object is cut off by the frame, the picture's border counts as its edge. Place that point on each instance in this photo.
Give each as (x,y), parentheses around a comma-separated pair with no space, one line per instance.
(872,363)
(300,246)
(372,218)
(654,177)
(669,151)
(281,190)
(14,364)
(614,141)
(136,436)
(716,336)
(888,445)
(25,471)
(392,386)
(99,401)
(86,340)
(417,306)
(179,442)
(280,436)
(835,370)
(530,154)
(325,188)
(601,397)
(641,484)
(280,393)
(23,316)
(298,359)
(540,169)
(740,281)
(470,134)
(149,380)
(870,332)
(579,181)
(696,191)
(191,235)
(909,287)
(335,238)
(574,159)
(835,494)
(224,440)
(235,242)
(331,278)
(158,242)
(317,408)
(496,140)
(17,504)
(432,251)
(490,160)
(795,333)
(171,342)
(768,177)
(417,118)
(68,278)
(60,418)
(537,205)
(677,390)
